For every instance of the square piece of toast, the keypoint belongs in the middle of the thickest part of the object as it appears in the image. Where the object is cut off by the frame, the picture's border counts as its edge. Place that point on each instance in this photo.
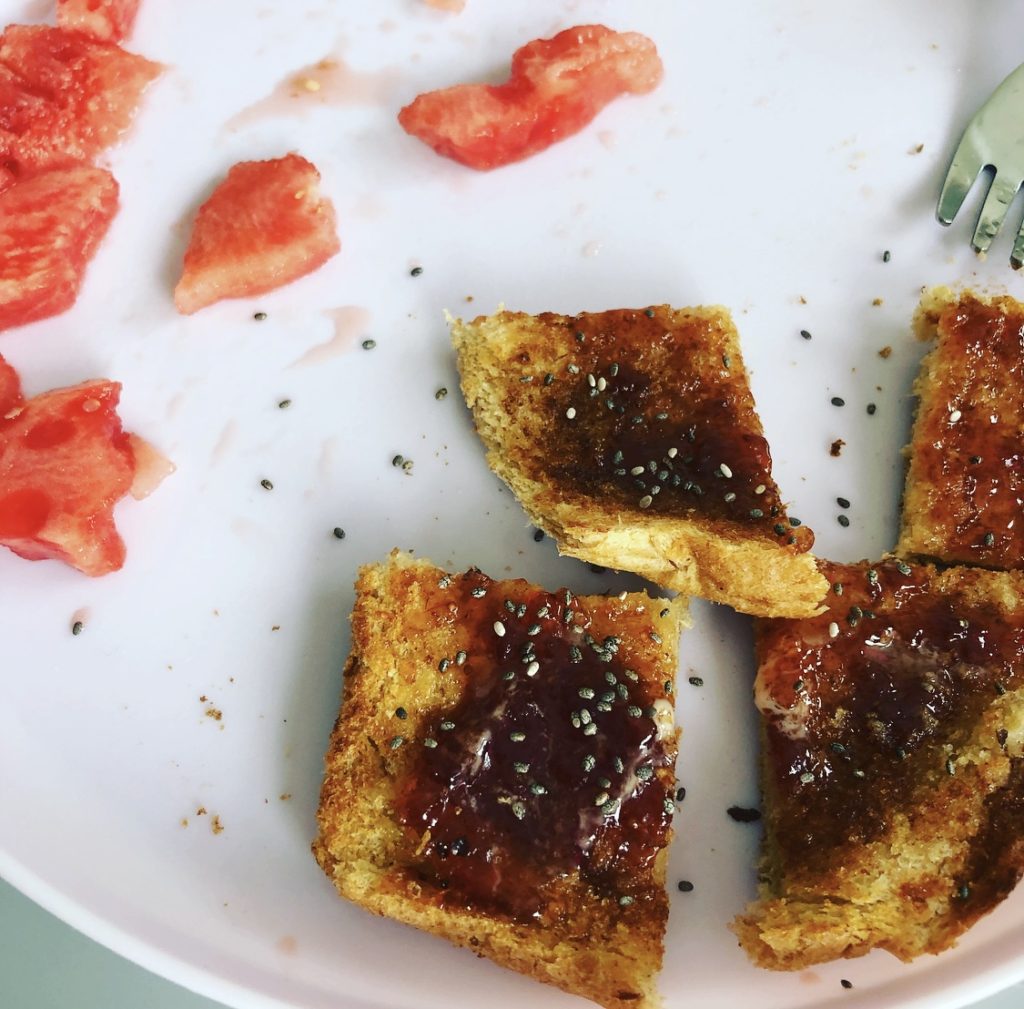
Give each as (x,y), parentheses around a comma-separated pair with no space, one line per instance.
(965,479)
(630,436)
(892,764)
(501,772)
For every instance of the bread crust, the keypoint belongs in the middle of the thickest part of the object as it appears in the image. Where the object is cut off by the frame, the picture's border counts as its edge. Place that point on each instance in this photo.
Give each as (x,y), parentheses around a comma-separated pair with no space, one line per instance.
(964,475)
(587,946)
(952,846)
(697,554)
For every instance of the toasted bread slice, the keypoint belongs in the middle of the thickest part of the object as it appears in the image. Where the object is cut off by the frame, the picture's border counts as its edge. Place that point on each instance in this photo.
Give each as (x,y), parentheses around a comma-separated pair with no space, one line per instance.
(965,479)
(501,772)
(631,438)
(892,763)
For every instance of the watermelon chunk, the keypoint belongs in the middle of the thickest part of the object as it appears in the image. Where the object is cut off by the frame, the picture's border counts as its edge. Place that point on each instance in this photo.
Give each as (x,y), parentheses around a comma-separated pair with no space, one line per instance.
(50,226)
(107,20)
(64,463)
(264,226)
(63,96)
(556,86)
(10,388)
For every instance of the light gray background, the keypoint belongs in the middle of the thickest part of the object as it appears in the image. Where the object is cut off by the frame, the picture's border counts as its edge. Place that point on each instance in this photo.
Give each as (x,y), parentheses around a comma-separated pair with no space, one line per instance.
(44,964)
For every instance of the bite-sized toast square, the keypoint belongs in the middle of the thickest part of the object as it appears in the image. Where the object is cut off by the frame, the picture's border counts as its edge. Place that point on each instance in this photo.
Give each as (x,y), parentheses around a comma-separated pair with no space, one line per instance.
(501,772)
(631,437)
(965,480)
(892,764)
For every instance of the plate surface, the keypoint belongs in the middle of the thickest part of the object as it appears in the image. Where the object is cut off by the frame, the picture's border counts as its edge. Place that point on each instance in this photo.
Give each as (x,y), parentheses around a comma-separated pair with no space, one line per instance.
(786,149)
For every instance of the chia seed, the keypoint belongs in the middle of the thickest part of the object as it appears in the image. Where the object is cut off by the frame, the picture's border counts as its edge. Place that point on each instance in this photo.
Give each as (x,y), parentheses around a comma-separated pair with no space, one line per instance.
(742,814)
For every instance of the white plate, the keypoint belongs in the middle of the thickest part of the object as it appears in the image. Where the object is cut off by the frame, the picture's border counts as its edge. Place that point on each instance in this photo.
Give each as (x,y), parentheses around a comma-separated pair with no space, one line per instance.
(768,173)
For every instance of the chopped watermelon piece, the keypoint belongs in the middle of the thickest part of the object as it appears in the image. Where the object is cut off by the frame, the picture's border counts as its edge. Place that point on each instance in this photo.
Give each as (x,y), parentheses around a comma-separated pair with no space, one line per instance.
(264,226)
(50,226)
(152,467)
(63,96)
(107,20)
(556,87)
(10,388)
(64,463)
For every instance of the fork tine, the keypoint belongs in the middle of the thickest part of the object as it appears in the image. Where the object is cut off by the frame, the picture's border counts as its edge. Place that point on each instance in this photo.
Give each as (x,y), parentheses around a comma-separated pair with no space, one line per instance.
(965,168)
(1017,255)
(997,202)
(967,164)
(960,178)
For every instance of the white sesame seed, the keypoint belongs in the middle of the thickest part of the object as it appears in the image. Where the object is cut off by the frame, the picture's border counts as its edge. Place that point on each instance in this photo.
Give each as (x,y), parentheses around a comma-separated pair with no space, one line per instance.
(571,412)
(499,628)
(591,381)
(637,471)
(833,630)
(602,384)
(730,497)
(645,501)
(760,488)
(954,416)
(672,453)
(726,472)
(533,668)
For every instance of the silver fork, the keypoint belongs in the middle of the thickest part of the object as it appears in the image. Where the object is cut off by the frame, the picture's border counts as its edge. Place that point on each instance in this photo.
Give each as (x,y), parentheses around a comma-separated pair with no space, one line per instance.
(994,138)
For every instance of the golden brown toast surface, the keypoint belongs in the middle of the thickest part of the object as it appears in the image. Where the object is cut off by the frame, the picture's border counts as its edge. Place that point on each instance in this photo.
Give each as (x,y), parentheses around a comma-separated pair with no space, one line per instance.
(892,764)
(965,481)
(631,437)
(501,772)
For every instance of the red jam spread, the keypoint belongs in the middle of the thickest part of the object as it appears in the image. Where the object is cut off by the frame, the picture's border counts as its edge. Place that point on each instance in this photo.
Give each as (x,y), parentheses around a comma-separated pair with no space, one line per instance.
(966,479)
(861,703)
(551,761)
(652,411)
(996,861)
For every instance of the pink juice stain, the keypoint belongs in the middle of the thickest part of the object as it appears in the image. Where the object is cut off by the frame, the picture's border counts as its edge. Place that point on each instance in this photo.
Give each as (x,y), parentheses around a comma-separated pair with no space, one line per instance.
(225,442)
(350,322)
(328,82)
